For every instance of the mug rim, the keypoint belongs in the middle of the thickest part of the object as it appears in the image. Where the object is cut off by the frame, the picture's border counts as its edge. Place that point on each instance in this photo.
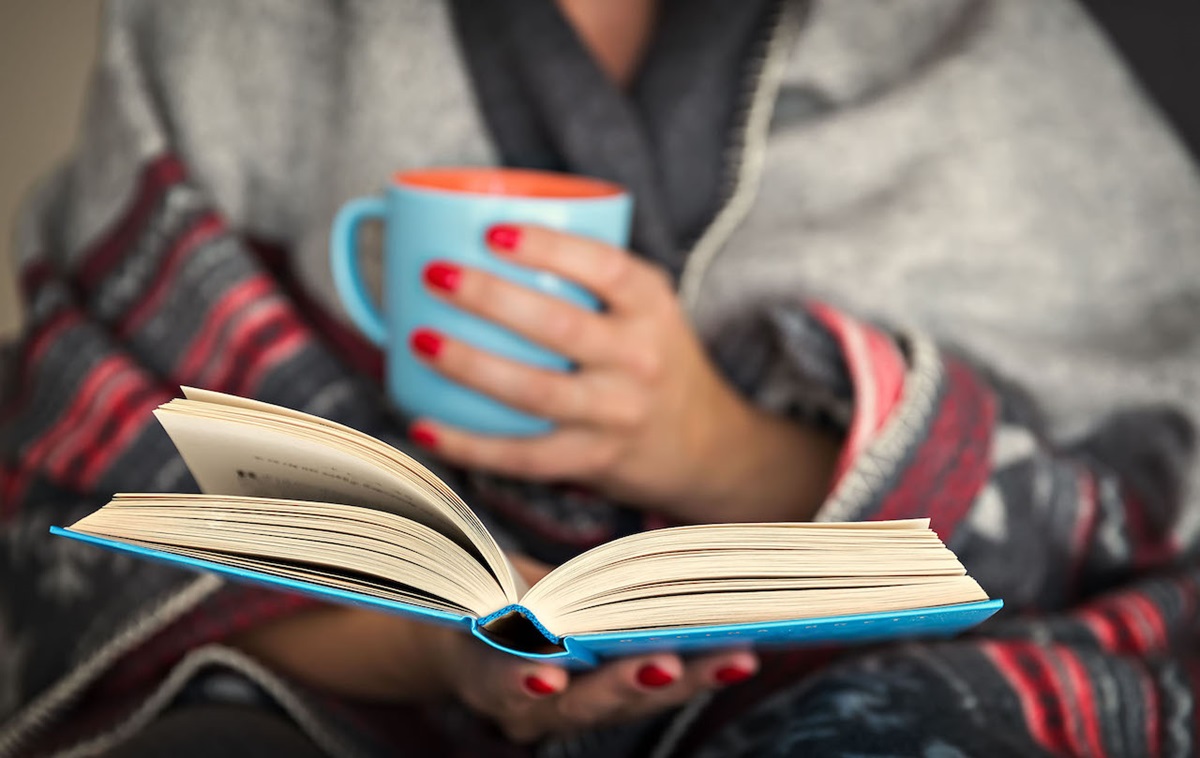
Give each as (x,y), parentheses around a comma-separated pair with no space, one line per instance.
(506,182)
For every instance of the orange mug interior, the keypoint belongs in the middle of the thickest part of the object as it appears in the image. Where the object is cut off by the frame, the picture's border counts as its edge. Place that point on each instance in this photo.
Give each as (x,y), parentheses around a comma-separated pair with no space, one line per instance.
(509,182)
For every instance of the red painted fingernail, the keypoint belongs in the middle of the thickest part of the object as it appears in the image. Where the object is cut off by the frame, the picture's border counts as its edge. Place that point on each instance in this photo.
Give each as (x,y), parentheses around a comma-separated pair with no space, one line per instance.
(651,675)
(733,675)
(426,342)
(504,237)
(423,436)
(538,686)
(443,276)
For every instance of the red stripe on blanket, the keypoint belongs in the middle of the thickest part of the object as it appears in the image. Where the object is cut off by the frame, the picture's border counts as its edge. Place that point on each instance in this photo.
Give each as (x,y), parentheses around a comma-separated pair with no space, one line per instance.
(1100,626)
(220,327)
(1150,615)
(116,415)
(120,431)
(1023,666)
(30,353)
(93,385)
(282,348)
(157,178)
(348,343)
(1086,716)
(1085,522)
(260,340)
(1152,546)
(877,372)
(202,230)
(1127,615)
(40,340)
(952,464)
(1151,708)
(13,482)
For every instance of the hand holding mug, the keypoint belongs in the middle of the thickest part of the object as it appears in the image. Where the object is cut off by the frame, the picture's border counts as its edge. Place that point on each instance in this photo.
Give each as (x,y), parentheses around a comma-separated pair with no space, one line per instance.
(502,353)
(645,417)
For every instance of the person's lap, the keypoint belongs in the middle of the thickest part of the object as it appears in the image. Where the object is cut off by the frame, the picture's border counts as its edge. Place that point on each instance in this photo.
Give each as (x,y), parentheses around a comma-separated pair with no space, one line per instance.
(224,730)
(936,700)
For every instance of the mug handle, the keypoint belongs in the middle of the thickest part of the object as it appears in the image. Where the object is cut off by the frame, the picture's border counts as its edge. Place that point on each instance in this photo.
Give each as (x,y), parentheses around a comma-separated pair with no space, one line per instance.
(347,276)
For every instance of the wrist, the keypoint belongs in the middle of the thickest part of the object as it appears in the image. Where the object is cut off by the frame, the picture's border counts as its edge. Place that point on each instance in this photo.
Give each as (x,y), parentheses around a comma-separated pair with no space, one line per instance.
(761,467)
(437,648)
(352,652)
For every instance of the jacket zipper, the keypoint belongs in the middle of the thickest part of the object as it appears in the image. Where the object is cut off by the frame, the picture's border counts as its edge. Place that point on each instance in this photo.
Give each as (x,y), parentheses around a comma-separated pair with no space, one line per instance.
(747,154)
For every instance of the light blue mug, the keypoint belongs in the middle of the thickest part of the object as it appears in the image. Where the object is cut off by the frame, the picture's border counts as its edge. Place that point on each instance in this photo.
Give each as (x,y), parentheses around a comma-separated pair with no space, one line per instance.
(444,214)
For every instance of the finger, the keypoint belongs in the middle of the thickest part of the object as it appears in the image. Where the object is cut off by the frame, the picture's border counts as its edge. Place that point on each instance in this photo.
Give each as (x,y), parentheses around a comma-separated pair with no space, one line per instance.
(577,333)
(612,274)
(563,455)
(622,689)
(721,669)
(526,696)
(535,681)
(508,685)
(555,395)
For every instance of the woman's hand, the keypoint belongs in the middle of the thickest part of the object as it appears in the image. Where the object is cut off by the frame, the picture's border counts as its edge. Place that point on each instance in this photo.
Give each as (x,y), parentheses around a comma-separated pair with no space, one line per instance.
(528,700)
(532,700)
(645,418)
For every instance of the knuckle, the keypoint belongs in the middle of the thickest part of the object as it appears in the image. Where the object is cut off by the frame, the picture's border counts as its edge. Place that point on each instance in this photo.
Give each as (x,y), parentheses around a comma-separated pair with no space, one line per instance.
(630,413)
(460,360)
(565,325)
(532,462)
(537,392)
(646,362)
(600,460)
(516,459)
(560,396)
(617,270)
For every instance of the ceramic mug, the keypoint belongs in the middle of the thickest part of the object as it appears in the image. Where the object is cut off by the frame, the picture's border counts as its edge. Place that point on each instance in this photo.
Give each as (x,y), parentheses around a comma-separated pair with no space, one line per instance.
(444,214)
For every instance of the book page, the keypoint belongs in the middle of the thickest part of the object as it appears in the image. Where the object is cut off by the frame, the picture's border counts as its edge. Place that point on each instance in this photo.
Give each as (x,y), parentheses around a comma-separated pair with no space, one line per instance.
(334,545)
(747,573)
(236,449)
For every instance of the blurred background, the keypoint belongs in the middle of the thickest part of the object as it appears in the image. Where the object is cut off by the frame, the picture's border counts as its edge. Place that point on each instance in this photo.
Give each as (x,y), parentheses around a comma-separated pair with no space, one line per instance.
(46,49)
(47,46)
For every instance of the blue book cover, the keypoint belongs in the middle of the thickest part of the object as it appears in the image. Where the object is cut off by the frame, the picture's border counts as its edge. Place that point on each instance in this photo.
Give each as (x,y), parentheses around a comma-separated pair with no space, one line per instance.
(585,650)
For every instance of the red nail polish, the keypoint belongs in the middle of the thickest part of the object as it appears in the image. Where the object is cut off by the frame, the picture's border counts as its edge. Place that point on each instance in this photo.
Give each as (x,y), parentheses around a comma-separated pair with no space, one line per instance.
(538,686)
(443,276)
(423,436)
(426,342)
(732,675)
(651,675)
(504,237)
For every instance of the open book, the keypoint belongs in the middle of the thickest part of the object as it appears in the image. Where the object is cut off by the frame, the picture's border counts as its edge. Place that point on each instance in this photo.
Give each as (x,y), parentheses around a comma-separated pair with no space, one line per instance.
(307,505)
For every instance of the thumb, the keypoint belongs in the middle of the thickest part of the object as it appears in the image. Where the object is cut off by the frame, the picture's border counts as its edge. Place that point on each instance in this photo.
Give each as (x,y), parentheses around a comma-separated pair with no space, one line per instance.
(539,680)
